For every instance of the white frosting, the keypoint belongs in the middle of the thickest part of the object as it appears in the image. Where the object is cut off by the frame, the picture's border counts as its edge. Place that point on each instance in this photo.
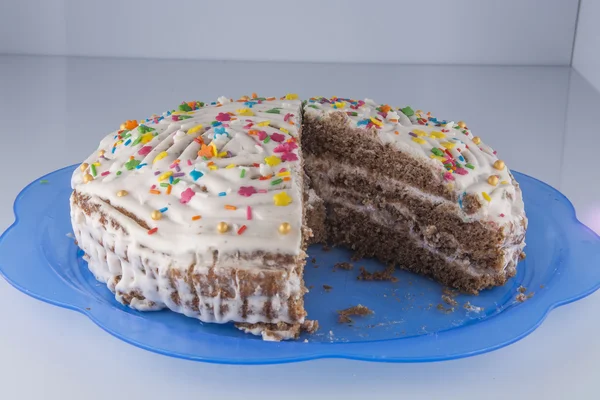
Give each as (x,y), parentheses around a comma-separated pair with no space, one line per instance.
(216,183)
(418,134)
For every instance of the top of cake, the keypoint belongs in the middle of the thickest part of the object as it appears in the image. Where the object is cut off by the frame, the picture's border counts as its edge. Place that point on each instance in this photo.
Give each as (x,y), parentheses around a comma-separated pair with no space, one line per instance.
(467,165)
(227,172)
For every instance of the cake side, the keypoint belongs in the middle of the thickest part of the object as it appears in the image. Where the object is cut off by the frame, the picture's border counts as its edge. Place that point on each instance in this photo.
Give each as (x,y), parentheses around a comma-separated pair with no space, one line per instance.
(200,210)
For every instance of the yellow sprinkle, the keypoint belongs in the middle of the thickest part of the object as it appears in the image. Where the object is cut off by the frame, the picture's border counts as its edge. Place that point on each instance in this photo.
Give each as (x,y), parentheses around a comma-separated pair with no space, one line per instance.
(486,196)
(448,145)
(419,132)
(118,143)
(284,173)
(272,160)
(291,96)
(230,166)
(222,154)
(97,164)
(284,130)
(160,156)
(376,121)
(165,175)
(214,148)
(213,167)
(264,123)
(147,137)
(442,159)
(282,199)
(340,104)
(437,135)
(194,129)
(419,140)
(245,111)
(504,182)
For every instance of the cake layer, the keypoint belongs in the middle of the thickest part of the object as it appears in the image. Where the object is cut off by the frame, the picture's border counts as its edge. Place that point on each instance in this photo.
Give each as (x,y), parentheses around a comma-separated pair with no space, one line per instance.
(441,221)
(356,229)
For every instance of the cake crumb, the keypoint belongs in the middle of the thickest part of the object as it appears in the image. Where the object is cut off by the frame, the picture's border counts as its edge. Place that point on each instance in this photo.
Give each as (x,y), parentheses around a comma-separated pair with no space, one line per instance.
(311,286)
(315,266)
(279,331)
(358,310)
(471,308)
(326,248)
(521,297)
(449,300)
(343,265)
(385,275)
(313,260)
(327,288)
(445,310)
(522,289)
(542,286)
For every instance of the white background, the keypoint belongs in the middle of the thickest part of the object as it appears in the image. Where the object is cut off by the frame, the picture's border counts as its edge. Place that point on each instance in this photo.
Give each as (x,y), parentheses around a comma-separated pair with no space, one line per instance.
(586,57)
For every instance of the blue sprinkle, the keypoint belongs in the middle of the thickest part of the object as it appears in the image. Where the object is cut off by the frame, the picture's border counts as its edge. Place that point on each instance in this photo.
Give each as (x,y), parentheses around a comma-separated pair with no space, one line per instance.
(127,142)
(363,122)
(216,123)
(461,158)
(141,165)
(113,150)
(171,179)
(220,131)
(249,104)
(213,103)
(222,194)
(168,113)
(162,210)
(196,174)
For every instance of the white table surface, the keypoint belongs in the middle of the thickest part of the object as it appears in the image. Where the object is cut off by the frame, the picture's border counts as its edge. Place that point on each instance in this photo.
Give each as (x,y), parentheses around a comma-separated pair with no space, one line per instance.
(542,120)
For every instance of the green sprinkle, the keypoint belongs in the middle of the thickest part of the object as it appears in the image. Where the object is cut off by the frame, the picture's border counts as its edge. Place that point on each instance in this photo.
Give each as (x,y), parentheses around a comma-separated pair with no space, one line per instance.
(352,113)
(144,129)
(448,166)
(164,184)
(407,111)
(243,173)
(131,164)
(184,107)
(267,139)
(273,111)
(470,166)
(184,117)
(276,182)
(119,173)
(93,169)
(204,158)
(458,165)
(136,141)
(44,181)
(175,181)
(437,152)
(313,106)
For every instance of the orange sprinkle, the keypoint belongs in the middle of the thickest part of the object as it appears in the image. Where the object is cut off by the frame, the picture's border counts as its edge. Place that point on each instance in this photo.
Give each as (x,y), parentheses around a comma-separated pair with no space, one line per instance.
(385,108)
(242,229)
(264,178)
(192,104)
(131,157)
(287,179)
(196,217)
(177,161)
(230,207)
(154,191)
(210,163)
(206,151)
(396,132)
(254,95)
(169,189)
(152,231)
(291,122)
(271,98)
(252,132)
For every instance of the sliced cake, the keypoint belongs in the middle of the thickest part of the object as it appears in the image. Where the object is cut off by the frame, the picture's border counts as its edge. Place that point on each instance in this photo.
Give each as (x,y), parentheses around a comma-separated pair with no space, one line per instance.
(414,191)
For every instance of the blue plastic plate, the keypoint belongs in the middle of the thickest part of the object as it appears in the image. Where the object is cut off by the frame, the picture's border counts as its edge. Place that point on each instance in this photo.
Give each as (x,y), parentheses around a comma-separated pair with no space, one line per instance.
(411,322)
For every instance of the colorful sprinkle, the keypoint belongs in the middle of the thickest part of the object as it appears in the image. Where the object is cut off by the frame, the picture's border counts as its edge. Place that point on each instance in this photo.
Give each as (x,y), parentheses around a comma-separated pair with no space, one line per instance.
(230,207)
(196,217)
(486,196)
(242,229)
(152,231)
(282,199)
(248,213)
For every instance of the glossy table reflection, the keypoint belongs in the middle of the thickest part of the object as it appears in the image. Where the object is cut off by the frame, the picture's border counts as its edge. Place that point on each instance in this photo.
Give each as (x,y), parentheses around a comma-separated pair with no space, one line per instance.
(541,120)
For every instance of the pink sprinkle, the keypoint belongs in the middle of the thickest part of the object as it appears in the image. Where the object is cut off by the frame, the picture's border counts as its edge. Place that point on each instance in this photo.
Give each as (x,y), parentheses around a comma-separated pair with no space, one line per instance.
(175,117)
(285,147)
(189,162)
(277,137)
(495,152)
(223,117)
(383,114)
(246,191)
(248,213)
(289,157)
(153,187)
(144,150)
(283,170)
(186,196)
(262,191)
(156,173)
(287,117)
(248,126)
(262,135)
(502,215)
(461,171)
(448,176)
(105,173)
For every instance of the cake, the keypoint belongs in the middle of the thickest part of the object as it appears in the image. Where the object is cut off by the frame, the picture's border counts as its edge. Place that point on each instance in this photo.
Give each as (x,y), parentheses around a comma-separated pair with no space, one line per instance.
(208,209)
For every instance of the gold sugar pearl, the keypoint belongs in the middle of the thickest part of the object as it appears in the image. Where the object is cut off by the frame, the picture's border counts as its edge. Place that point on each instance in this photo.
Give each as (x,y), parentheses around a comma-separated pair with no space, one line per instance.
(101,153)
(285,228)
(493,180)
(84,166)
(87,178)
(122,193)
(156,215)
(499,165)
(222,227)
(476,140)
(461,124)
